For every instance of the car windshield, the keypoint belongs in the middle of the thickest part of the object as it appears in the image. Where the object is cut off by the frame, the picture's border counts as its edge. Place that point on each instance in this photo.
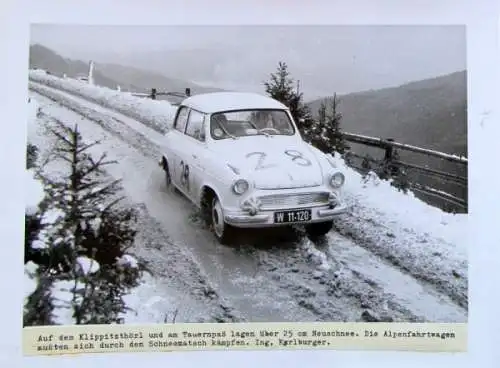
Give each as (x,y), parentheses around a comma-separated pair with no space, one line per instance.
(243,123)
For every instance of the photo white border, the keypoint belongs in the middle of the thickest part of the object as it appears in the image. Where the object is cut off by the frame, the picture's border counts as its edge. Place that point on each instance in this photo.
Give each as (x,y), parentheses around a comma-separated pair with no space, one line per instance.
(483,59)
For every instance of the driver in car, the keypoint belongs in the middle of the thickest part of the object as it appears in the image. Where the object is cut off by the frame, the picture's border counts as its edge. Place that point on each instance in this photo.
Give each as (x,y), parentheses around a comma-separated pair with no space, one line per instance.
(263,120)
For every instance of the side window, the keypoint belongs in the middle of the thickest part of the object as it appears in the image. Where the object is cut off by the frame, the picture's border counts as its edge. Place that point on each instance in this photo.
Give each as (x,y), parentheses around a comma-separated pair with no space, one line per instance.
(181,120)
(196,125)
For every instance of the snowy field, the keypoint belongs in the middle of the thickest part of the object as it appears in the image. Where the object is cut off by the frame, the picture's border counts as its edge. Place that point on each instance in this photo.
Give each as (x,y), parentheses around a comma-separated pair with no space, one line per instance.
(392,257)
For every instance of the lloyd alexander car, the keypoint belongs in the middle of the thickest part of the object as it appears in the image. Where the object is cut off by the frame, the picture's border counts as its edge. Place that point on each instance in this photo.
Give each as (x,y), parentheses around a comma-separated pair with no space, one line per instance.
(240,158)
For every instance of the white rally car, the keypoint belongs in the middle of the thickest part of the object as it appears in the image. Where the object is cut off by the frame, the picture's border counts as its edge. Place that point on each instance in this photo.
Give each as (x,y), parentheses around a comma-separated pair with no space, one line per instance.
(240,158)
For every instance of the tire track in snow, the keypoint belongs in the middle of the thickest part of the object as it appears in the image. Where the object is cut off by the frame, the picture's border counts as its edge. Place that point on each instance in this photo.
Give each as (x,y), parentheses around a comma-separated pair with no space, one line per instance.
(446,281)
(327,295)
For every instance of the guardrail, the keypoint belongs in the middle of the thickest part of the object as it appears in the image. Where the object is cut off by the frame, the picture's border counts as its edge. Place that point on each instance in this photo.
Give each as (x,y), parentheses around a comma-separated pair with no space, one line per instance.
(393,166)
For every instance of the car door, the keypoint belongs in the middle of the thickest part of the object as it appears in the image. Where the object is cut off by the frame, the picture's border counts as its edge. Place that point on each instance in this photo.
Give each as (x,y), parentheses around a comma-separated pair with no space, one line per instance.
(175,142)
(191,163)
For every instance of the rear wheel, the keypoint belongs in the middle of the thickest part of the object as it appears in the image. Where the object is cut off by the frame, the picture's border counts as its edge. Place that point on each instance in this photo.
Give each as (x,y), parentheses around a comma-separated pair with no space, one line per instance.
(168,177)
(318,229)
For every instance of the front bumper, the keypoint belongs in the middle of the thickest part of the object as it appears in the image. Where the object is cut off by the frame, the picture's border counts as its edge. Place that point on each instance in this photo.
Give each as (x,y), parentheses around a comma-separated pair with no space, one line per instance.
(266,218)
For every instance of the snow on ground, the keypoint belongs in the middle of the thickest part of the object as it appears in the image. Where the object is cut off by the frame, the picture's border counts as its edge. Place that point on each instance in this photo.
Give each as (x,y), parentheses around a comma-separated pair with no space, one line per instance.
(166,299)
(158,115)
(423,241)
(397,209)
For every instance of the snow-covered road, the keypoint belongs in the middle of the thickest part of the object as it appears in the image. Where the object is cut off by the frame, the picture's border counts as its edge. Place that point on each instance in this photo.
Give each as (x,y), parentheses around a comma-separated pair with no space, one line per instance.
(367,268)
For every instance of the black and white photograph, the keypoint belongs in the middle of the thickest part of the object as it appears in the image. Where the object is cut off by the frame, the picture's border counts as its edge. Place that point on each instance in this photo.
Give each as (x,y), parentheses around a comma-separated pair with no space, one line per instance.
(246,173)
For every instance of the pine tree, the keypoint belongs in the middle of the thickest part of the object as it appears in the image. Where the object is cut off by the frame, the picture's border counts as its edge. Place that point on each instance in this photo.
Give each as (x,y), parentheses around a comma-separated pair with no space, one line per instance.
(334,133)
(83,238)
(281,88)
(31,155)
(38,304)
(281,85)
(318,131)
(325,134)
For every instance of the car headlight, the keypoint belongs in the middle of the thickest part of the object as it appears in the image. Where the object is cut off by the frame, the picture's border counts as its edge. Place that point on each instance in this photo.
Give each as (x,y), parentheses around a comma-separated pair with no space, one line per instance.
(240,186)
(337,180)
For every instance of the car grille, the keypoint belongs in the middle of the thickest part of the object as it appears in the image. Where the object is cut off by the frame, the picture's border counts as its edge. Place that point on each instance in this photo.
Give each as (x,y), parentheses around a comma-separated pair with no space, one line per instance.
(278,201)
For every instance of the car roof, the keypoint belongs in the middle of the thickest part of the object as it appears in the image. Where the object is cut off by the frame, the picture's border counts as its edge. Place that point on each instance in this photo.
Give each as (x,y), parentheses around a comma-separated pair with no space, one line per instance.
(225,101)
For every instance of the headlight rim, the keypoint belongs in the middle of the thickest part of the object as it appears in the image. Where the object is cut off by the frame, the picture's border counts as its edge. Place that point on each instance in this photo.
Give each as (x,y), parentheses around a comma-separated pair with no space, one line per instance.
(235,184)
(332,180)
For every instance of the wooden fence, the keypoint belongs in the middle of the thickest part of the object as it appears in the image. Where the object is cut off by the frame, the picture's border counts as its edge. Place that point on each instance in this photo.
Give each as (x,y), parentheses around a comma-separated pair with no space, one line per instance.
(396,168)
(154,94)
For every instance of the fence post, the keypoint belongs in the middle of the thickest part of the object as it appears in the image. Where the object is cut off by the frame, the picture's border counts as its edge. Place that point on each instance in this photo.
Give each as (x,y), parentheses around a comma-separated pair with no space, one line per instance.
(390,155)
(153,93)
(388,150)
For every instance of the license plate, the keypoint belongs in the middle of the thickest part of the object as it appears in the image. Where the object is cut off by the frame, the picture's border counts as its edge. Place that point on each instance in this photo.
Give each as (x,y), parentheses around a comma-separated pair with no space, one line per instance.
(283,217)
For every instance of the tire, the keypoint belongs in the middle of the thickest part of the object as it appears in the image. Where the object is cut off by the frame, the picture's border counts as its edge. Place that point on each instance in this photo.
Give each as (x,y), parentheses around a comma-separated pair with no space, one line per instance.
(168,178)
(318,229)
(224,232)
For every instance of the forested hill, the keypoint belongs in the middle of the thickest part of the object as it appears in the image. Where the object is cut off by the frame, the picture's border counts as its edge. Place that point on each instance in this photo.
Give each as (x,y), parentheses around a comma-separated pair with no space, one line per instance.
(431,113)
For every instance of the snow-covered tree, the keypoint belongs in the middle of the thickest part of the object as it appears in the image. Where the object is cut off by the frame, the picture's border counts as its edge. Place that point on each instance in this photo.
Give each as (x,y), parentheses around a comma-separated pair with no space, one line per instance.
(31,155)
(334,131)
(37,303)
(281,87)
(325,133)
(78,241)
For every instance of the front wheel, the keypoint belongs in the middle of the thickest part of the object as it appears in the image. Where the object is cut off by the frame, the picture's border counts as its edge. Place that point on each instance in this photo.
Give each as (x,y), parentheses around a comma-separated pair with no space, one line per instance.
(223,232)
(318,229)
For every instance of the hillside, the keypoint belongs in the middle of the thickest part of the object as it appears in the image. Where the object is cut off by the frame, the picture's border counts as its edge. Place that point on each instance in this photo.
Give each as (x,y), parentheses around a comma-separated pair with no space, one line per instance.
(147,79)
(44,58)
(109,75)
(430,113)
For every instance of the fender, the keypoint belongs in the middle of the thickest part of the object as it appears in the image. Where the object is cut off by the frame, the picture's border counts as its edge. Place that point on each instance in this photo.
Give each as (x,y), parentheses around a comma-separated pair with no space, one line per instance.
(213,182)
(165,157)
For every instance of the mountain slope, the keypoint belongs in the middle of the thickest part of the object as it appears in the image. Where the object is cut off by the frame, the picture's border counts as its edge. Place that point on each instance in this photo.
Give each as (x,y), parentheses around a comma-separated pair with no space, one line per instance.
(431,113)
(110,75)
(44,58)
(147,79)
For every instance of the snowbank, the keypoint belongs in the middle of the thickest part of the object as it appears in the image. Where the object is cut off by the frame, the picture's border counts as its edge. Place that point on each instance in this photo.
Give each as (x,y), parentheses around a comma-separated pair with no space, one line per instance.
(158,115)
(377,199)
(148,304)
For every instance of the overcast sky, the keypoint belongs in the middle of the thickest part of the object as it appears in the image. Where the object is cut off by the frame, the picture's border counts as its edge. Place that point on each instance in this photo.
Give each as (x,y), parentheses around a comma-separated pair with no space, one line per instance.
(326,59)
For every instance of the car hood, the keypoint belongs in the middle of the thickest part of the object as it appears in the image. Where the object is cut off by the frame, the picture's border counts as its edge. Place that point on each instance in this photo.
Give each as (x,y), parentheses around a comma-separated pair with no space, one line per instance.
(272,162)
